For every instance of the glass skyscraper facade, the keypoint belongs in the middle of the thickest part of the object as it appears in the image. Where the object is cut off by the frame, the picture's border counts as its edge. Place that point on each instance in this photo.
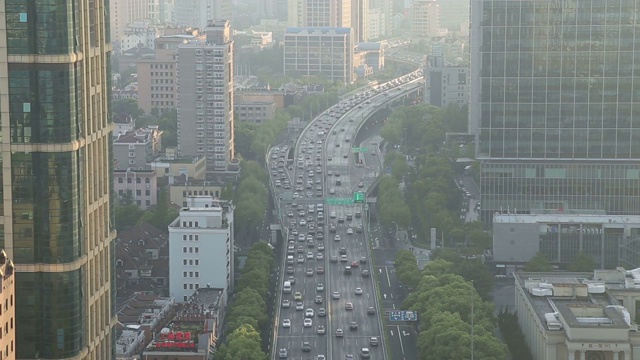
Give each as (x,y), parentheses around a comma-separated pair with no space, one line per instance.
(56,216)
(555,104)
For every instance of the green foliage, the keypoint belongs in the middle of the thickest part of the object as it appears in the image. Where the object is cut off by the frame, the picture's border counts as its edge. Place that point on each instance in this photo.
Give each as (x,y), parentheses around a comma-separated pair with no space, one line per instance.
(538,263)
(513,336)
(407,268)
(126,106)
(250,198)
(168,124)
(244,343)
(391,205)
(162,214)
(443,301)
(247,316)
(583,262)
(126,216)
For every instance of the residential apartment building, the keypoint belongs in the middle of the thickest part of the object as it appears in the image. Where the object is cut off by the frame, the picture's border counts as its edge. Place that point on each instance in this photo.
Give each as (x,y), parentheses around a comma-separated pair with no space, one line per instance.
(320,13)
(123,123)
(123,13)
(56,219)
(198,13)
(140,186)
(445,85)
(157,74)
(579,316)
(7,308)
(553,105)
(205,98)
(135,149)
(381,14)
(201,243)
(425,18)
(254,112)
(139,34)
(326,52)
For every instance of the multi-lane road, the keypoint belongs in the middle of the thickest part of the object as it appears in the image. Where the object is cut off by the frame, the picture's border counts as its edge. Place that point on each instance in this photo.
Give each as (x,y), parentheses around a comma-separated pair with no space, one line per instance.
(332,311)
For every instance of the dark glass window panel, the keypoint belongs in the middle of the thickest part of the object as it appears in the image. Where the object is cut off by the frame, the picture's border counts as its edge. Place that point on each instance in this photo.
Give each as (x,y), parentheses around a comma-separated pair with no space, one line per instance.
(44,105)
(55,330)
(46,207)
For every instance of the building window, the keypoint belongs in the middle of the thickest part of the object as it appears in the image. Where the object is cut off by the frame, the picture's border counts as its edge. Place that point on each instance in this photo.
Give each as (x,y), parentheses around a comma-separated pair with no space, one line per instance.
(184,237)
(197,274)
(196,249)
(184,250)
(191,250)
(195,237)
(184,274)
(184,261)
(184,286)
(190,262)
(147,181)
(120,180)
(197,262)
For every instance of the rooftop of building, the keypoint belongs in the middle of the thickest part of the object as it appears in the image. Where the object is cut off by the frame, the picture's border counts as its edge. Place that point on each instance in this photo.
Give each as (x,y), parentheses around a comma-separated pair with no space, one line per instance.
(141,308)
(139,136)
(561,217)
(579,300)
(122,118)
(185,180)
(179,160)
(193,323)
(322,29)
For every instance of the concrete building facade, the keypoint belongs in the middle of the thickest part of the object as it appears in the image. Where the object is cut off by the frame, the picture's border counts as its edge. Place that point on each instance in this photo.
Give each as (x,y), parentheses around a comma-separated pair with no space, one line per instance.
(8,305)
(56,217)
(425,18)
(610,240)
(445,85)
(198,13)
(326,52)
(579,316)
(135,149)
(254,112)
(201,247)
(205,98)
(141,186)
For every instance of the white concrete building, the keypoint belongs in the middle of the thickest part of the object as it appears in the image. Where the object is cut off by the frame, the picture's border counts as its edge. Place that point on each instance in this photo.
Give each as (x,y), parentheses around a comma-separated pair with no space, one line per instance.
(201,242)
(139,33)
(198,13)
(580,316)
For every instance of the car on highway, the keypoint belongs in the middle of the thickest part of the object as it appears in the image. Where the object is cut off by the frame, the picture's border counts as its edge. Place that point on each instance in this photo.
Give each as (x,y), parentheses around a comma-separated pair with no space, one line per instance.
(334,259)
(348,306)
(371,310)
(286,303)
(373,341)
(319,256)
(339,332)
(310,255)
(309,313)
(358,291)
(337,237)
(290,270)
(335,295)
(299,306)
(320,330)
(320,270)
(306,347)
(307,323)
(322,312)
(343,251)
(283,354)
(365,273)
(320,287)
(309,271)
(297,296)
(343,258)
(318,299)
(286,323)
(353,325)
(349,231)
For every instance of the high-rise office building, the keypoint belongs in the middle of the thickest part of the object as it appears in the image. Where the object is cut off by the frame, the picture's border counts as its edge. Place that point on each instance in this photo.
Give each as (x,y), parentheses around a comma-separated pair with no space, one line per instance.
(198,13)
(555,104)
(56,220)
(320,13)
(205,97)
(425,18)
(323,51)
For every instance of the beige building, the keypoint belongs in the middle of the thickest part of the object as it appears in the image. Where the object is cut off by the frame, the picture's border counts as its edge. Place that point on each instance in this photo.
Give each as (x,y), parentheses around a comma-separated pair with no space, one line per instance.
(171,166)
(275,97)
(254,112)
(425,18)
(125,12)
(8,310)
(580,316)
(183,188)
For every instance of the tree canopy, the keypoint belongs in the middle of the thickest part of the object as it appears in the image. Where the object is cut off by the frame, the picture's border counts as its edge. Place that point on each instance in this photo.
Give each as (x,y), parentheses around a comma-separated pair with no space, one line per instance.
(539,263)
(583,262)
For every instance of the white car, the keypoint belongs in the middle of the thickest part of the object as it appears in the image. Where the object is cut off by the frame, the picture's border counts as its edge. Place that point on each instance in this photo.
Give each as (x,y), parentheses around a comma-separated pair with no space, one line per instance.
(336,238)
(303,222)
(349,231)
(309,313)
(296,195)
(310,255)
(332,214)
(307,323)
(286,303)
(358,291)
(286,323)
(299,306)
(320,288)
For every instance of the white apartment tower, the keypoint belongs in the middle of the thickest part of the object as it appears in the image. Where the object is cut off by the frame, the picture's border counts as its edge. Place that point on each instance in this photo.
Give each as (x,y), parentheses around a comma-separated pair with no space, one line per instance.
(205,97)
(198,13)
(201,242)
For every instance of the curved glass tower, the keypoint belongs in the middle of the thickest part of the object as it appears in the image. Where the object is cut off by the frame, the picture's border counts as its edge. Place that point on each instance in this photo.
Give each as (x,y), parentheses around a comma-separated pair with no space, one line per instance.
(55,220)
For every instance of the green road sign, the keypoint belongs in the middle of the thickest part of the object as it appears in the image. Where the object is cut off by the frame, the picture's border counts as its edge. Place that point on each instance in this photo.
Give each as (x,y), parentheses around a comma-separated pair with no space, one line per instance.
(358,197)
(359,149)
(339,201)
